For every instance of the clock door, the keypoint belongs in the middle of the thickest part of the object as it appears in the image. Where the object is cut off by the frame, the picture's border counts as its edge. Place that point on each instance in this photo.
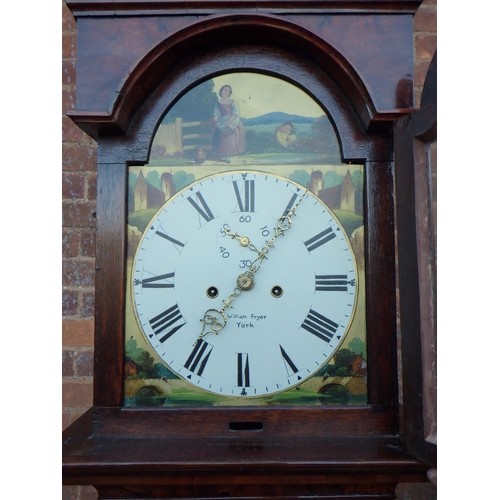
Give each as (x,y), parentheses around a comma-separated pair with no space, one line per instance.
(209,209)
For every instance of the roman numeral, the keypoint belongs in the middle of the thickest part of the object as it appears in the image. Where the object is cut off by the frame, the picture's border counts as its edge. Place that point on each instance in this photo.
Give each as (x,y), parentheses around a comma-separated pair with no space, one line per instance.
(204,211)
(155,281)
(198,358)
(245,198)
(243,370)
(320,239)
(290,204)
(168,321)
(332,283)
(289,364)
(319,325)
(169,238)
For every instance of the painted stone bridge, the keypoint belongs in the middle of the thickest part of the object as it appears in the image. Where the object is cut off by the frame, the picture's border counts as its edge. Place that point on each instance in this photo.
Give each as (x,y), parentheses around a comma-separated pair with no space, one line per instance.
(355,385)
(163,386)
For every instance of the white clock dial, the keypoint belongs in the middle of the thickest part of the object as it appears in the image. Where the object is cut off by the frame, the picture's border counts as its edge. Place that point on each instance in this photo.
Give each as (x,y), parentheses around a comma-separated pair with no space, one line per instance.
(281,330)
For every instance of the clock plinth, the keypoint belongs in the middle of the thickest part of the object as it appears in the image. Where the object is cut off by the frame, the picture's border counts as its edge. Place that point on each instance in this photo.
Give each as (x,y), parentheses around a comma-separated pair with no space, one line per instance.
(204,436)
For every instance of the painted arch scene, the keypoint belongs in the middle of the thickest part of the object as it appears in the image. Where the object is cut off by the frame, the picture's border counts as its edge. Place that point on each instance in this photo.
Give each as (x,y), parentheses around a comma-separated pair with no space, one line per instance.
(254,122)
(245,118)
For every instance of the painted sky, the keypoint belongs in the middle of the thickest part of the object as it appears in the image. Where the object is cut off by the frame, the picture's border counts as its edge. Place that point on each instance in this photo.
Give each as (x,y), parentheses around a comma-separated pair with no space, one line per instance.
(258,94)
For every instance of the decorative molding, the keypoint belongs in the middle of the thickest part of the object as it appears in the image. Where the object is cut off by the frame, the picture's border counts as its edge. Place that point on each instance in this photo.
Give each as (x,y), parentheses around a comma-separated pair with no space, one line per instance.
(82,8)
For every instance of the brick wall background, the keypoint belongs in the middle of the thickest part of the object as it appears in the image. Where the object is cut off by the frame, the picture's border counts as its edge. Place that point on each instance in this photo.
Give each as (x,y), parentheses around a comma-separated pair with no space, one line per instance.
(79,156)
(79,167)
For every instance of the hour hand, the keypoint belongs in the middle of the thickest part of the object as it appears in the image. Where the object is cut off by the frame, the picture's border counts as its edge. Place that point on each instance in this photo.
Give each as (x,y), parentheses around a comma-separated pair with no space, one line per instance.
(215,319)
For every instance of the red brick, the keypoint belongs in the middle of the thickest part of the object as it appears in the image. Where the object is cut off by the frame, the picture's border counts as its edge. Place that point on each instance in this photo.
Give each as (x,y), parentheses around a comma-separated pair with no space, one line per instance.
(78,273)
(88,304)
(68,98)
(66,419)
(78,333)
(425,46)
(69,72)
(68,21)
(417,97)
(68,363)
(70,243)
(69,302)
(70,415)
(73,186)
(92,186)
(81,214)
(70,132)
(420,70)
(87,243)
(84,363)
(76,157)
(87,138)
(77,394)
(68,45)
(425,19)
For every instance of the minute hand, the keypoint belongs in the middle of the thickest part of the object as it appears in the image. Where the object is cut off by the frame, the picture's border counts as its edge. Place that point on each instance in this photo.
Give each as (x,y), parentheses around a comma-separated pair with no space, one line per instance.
(283,224)
(216,319)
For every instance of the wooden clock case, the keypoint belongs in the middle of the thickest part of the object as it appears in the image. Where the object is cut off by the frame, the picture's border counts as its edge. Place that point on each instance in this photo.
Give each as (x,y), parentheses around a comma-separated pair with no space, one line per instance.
(135,59)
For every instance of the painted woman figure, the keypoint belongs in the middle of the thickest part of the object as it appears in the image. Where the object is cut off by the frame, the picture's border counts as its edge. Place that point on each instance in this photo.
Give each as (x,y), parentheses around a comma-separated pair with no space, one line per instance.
(229,135)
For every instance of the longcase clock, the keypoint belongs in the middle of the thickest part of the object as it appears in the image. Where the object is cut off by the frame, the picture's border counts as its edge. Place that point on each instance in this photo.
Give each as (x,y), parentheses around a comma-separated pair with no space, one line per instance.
(245,339)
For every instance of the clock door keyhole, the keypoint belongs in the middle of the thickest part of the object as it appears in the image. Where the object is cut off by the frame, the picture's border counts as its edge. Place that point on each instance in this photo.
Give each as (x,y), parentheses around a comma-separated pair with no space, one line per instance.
(246,426)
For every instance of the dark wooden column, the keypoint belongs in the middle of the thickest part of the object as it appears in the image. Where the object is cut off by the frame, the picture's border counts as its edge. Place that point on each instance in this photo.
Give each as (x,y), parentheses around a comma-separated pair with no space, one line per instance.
(381,283)
(110,284)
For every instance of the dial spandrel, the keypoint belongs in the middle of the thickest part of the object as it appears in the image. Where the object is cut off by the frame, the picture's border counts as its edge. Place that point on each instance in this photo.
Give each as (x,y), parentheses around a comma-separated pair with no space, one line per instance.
(233,300)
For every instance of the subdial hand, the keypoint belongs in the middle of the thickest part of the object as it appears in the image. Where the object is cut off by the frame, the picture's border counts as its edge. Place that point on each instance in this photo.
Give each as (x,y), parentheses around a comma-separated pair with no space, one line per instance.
(243,240)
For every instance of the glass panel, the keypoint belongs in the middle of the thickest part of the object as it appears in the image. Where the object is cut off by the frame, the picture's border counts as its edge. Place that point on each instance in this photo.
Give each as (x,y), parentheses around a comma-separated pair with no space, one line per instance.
(226,304)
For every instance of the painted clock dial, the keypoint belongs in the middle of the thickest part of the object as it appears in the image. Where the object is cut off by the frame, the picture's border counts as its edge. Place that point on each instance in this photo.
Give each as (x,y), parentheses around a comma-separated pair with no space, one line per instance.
(277,332)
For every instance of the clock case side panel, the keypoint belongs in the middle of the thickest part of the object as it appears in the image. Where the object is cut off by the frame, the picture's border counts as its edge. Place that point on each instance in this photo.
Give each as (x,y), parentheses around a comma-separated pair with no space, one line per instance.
(357,146)
(110,284)
(413,136)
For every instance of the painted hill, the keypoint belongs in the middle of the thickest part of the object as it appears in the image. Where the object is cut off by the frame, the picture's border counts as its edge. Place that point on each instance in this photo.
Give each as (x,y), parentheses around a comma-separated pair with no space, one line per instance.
(276,118)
